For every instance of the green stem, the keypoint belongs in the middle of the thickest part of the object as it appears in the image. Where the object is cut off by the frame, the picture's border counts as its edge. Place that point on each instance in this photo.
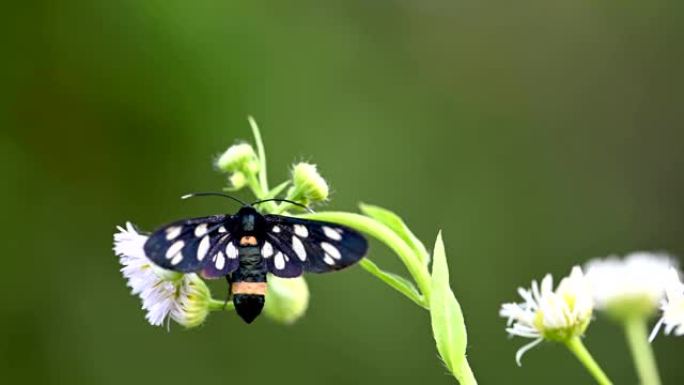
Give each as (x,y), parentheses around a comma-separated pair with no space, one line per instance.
(256,187)
(636,331)
(219,305)
(580,351)
(261,152)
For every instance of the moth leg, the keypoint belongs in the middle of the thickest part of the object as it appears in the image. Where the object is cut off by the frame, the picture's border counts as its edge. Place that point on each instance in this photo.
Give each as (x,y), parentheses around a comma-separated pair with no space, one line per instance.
(230,294)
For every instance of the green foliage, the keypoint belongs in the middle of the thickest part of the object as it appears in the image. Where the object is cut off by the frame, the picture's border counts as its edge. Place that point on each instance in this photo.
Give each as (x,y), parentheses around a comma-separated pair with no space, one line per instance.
(399,283)
(430,291)
(448,326)
(396,224)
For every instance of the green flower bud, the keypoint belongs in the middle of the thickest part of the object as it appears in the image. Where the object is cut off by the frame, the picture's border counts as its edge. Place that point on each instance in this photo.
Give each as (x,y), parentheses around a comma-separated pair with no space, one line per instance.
(237,181)
(287,299)
(239,158)
(308,185)
(192,302)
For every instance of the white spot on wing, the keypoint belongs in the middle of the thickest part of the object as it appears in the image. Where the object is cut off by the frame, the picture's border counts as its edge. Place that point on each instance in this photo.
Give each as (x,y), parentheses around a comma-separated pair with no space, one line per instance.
(220,261)
(203,248)
(231,251)
(276,229)
(279,261)
(331,250)
(328,260)
(222,229)
(173,232)
(200,230)
(177,259)
(174,249)
(301,231)
(267,250)
(216,256)
(298,248)
(332,233)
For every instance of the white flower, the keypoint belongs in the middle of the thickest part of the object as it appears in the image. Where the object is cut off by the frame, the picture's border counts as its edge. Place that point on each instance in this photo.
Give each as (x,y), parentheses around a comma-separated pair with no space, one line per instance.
(547,314)
(627,287)
(672,307)
(165,294)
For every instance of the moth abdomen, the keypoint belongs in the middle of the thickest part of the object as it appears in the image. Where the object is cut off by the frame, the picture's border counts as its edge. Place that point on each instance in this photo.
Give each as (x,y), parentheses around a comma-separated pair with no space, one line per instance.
(249,283)
(248,306)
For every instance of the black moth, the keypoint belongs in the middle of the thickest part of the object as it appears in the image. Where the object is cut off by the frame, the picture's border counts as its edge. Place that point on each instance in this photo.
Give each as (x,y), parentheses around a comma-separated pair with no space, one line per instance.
(245,246)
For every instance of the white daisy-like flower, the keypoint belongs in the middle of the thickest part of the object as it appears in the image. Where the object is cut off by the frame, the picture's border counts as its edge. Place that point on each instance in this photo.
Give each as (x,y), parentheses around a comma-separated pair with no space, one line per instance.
(672,307)
(165,294)
(550,315)
(633,286)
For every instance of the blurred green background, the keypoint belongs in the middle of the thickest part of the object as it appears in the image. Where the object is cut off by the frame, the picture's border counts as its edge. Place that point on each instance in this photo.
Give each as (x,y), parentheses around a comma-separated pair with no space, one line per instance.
(536,134)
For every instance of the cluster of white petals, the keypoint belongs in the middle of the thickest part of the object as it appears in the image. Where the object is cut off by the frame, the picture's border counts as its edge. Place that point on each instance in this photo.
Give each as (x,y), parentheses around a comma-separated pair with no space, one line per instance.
(165,294)
(547,314)
(672,306)
(634,286)
(634,283)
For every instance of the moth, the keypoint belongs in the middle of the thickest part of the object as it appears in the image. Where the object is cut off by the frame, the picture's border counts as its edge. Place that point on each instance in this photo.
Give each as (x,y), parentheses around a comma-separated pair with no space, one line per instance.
(244,247)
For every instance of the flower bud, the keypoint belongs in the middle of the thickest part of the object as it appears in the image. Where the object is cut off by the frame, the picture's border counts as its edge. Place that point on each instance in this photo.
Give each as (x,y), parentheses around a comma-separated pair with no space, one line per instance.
(239,158)
(192,303)
(308,184)
(287,299)
(237,181)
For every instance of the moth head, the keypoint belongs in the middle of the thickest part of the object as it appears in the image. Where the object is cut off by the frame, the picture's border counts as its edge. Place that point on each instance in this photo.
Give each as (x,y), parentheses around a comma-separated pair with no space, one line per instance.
(250,220)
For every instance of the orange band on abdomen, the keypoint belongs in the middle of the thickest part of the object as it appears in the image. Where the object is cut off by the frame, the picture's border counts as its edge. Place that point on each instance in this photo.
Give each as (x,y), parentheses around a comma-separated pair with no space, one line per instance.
(248,240)
(249,288)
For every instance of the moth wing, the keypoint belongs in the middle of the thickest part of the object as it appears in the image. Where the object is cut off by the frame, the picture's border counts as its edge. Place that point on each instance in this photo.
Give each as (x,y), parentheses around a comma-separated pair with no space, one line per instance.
(307,245)
(222,258)
(189,245)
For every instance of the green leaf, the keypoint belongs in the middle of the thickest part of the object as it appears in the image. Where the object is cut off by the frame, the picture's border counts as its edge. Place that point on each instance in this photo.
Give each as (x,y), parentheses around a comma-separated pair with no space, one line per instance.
(394,222)
(277,190)
(397,282)
(448,326)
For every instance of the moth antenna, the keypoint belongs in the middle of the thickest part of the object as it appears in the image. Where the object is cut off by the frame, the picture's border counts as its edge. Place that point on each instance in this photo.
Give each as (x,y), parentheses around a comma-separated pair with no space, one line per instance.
(283,200)
(217,194)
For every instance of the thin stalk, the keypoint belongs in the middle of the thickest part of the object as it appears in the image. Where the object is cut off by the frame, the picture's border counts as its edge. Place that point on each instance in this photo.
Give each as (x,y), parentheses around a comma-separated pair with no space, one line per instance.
(580,351)
(218,305)
(636,332)
(261,152)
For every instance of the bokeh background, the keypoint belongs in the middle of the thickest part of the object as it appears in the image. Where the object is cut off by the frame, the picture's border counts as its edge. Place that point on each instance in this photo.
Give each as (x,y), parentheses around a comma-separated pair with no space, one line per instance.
(536,134)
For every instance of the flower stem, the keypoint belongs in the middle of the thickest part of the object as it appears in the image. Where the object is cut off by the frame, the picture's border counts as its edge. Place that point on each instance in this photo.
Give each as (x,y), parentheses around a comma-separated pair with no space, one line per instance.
(218,305)
(642,353)
(580,351)
(261,152)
